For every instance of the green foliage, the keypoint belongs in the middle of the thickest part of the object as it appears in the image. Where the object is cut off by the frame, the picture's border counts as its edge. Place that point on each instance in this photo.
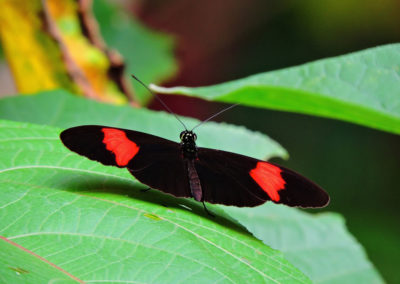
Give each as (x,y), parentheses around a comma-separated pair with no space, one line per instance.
(361,87)
(319,245)
(58,209)
(92,220)
(147,54)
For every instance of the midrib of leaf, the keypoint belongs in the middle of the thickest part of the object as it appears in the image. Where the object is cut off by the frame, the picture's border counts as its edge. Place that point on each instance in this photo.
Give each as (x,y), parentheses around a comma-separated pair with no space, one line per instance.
(114,239)
(42,259)
(102,237)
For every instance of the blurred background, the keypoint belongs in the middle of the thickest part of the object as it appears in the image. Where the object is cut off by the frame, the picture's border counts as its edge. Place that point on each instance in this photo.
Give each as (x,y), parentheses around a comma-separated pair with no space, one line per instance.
(216,41)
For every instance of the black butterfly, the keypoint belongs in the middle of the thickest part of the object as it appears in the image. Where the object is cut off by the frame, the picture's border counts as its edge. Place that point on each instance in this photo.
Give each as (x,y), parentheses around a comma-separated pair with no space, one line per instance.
(185,170)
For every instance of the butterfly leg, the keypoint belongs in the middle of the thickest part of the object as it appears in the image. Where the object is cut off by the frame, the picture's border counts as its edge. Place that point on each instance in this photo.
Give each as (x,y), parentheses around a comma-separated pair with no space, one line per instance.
(146,189)
(208,212)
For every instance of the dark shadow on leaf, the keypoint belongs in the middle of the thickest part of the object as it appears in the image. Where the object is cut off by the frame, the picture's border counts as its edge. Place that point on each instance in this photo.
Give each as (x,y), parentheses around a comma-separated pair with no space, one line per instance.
(133,190)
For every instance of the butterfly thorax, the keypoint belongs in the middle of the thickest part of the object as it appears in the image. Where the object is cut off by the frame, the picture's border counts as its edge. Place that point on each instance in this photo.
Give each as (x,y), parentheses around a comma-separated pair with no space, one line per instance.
(188,144)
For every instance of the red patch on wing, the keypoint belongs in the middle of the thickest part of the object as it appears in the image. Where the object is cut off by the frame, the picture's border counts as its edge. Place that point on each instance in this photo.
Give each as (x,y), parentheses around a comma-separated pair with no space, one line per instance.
(269,178)
(117,142)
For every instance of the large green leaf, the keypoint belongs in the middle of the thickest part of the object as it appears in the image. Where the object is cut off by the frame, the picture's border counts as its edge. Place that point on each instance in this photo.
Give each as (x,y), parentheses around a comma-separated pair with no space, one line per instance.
(147,54)
(19,265)
(362,88)
(319,245)
(93,222)
(59,108)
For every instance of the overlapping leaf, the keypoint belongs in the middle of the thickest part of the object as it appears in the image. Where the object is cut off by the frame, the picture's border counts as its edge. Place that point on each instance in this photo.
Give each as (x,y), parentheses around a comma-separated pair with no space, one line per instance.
(319,245)
(59,108)
(362,88)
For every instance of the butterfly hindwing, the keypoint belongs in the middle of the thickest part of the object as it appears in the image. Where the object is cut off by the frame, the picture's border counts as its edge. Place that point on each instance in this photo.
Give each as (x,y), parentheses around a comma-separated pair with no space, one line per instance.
(232,179)
(222,180)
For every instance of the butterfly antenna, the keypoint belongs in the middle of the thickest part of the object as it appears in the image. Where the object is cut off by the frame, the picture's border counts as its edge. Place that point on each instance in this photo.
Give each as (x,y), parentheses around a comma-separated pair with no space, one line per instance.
(159,99)
(214,115)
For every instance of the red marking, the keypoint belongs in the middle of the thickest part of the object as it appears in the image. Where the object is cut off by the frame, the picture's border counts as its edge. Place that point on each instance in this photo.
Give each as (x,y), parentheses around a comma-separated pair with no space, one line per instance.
(269,178)
(117,142)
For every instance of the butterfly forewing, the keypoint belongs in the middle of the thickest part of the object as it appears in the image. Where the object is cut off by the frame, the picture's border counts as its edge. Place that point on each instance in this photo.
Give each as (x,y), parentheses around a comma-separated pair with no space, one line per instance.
(224,179)
(153,160)
(88,141)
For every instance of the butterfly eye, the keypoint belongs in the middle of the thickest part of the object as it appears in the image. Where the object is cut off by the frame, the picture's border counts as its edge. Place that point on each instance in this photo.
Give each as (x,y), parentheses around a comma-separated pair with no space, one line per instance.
(194,136)
(182,135)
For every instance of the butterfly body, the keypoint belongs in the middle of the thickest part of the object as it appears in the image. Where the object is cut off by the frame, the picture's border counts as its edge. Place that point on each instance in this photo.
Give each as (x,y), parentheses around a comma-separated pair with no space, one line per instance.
(185,170)
(189,154)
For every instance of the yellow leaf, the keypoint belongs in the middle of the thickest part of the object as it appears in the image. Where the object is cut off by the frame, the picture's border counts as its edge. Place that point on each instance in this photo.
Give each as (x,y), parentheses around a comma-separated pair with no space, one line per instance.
(55,44)
(34,58)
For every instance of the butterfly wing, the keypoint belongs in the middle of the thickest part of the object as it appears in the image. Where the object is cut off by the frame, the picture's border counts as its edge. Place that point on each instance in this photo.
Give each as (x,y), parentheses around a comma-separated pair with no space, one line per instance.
(154,161)
(225,178)
(233,179)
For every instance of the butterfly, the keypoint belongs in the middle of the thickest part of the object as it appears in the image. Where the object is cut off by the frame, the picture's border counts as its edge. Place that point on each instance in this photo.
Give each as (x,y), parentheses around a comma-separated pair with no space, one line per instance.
(185,170)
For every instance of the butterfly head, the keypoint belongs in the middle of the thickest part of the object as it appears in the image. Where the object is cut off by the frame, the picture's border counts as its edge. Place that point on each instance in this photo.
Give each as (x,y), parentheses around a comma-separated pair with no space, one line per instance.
(188,136)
